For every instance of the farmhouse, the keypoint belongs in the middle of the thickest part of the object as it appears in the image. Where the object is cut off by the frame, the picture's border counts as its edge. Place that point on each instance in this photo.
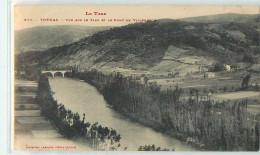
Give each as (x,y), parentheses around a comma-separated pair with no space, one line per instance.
(209,75)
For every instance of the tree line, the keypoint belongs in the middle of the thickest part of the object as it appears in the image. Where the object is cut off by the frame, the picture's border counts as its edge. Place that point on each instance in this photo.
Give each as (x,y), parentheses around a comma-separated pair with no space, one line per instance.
(70,125)
(209,125)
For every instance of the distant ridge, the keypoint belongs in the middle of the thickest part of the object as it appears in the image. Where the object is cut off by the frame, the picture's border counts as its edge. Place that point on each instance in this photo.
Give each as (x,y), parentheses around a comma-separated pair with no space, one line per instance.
(224,18)
(43,37)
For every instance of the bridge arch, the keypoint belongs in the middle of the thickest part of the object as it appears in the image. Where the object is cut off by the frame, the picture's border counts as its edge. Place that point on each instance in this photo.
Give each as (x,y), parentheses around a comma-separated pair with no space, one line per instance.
(49,74)
(58,74)
(67,74)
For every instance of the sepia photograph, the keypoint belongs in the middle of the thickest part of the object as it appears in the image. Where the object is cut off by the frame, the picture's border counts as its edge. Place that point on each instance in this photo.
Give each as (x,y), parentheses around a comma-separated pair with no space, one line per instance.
(136,78)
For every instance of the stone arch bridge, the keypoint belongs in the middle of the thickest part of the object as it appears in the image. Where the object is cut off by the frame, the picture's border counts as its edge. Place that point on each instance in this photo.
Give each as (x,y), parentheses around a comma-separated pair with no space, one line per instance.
(53,72)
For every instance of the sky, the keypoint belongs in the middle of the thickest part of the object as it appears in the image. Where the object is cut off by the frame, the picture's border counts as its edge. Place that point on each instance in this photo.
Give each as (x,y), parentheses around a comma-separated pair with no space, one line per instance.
(26,16)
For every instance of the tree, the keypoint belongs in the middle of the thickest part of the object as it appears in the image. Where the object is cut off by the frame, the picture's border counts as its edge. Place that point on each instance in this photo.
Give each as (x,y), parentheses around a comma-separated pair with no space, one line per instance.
(217,67)
(257,136)
(223,138)
(245,82)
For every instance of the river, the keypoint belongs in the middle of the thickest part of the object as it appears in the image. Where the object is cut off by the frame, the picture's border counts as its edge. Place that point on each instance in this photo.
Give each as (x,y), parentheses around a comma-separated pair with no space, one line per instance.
(81,97)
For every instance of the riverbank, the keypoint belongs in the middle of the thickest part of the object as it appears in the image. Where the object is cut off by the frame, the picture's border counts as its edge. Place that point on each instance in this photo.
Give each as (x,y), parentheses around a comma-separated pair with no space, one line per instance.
(180,136)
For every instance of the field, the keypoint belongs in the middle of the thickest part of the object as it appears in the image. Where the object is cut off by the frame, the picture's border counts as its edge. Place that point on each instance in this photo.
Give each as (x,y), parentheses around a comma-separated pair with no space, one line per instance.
(231,81)
(237,95)
(251,96)
(254,108)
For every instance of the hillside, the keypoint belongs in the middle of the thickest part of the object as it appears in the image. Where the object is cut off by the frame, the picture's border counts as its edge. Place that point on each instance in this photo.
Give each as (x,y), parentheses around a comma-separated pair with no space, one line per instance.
(158,47)
(44,37)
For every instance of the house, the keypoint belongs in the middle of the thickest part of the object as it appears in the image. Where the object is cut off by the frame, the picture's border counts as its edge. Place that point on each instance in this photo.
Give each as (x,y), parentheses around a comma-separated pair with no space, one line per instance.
(209,75)
(144,80)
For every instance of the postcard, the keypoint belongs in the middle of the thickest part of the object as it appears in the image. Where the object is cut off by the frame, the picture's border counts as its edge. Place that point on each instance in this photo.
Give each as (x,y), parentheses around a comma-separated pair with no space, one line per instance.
(136,78)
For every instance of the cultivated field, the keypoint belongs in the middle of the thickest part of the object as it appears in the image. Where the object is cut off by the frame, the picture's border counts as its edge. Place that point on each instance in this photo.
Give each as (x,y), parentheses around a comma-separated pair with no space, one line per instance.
(237,95)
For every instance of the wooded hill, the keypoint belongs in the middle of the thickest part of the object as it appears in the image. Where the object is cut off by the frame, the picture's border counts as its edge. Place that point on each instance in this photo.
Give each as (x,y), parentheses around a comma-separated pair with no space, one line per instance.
(144,45)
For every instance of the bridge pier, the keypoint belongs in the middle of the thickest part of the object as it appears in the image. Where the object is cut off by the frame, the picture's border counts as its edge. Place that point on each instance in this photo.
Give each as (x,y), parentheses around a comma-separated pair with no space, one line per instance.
(62,73)
(53,74)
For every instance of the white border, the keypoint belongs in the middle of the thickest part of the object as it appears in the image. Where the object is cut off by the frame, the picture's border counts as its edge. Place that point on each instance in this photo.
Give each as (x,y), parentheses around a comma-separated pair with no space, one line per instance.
(137,2)
(11,74)
(7,61)
(3,78)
